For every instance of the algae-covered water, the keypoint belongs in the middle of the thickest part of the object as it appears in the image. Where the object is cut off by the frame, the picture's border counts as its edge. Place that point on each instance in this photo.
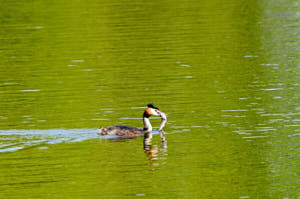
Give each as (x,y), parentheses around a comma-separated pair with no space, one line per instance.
(226,73)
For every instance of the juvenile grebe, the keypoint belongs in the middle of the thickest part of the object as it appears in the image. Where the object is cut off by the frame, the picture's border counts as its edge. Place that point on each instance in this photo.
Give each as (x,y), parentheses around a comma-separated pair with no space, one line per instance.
(122,130)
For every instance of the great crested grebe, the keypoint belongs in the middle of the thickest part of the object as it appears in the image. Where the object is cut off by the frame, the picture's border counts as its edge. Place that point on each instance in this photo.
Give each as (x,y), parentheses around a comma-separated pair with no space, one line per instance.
(122,130)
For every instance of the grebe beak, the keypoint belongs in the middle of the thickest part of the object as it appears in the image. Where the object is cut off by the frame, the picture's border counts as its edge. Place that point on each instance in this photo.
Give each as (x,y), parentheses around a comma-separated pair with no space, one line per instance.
(159,113)
(163,120)
(155,112)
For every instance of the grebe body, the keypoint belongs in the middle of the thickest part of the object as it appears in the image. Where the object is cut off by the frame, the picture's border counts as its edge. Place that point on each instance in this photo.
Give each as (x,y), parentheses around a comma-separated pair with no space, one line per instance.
(120,130)
(123,130)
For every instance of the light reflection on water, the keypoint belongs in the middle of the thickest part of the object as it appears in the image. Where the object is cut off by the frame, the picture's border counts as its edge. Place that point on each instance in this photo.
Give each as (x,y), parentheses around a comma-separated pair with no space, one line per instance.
(13,140)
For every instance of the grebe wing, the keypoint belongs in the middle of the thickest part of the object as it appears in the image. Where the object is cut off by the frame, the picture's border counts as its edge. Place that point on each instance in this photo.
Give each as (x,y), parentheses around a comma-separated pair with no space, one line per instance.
(122,127)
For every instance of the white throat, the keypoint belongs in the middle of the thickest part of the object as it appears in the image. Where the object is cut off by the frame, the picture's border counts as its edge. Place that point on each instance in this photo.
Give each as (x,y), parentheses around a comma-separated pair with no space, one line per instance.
(147,124)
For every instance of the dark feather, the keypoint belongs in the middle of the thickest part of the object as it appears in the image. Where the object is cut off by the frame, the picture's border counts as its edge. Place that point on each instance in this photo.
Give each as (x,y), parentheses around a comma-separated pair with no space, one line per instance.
(152,106)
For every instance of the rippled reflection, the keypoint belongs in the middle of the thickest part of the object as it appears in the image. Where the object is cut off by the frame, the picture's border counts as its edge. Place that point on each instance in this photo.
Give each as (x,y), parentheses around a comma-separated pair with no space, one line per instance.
(155,152)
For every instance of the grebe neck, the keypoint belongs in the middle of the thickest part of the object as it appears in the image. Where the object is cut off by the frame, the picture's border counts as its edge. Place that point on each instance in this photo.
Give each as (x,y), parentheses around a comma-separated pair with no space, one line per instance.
(147,124)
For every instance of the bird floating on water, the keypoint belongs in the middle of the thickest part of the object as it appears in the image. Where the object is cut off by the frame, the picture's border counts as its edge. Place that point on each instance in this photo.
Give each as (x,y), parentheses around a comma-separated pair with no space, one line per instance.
(123,130)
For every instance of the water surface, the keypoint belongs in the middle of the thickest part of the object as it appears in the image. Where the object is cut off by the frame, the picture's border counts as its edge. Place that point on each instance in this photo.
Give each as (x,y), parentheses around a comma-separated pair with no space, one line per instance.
(225,72)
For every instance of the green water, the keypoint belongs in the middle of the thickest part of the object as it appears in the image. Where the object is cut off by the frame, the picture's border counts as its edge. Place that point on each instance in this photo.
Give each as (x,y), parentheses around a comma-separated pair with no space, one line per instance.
(226,73)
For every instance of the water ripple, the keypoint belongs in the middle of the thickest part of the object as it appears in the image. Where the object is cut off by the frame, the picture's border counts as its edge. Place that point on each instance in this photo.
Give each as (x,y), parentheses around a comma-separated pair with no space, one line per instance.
(33,138)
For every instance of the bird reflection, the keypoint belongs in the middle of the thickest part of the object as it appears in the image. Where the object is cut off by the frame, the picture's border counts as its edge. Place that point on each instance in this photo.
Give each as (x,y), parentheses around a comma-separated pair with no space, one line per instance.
(153,152)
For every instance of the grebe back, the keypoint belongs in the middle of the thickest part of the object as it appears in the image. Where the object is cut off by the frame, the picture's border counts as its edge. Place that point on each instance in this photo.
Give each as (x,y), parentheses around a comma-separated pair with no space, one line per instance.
(123,130)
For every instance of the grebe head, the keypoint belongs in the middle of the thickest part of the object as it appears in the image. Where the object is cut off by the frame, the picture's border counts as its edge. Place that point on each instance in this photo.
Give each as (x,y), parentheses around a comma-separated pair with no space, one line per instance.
(152,110)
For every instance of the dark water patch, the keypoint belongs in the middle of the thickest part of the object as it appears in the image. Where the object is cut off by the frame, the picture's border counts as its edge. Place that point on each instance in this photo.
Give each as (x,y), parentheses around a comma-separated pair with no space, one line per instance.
(27,183)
